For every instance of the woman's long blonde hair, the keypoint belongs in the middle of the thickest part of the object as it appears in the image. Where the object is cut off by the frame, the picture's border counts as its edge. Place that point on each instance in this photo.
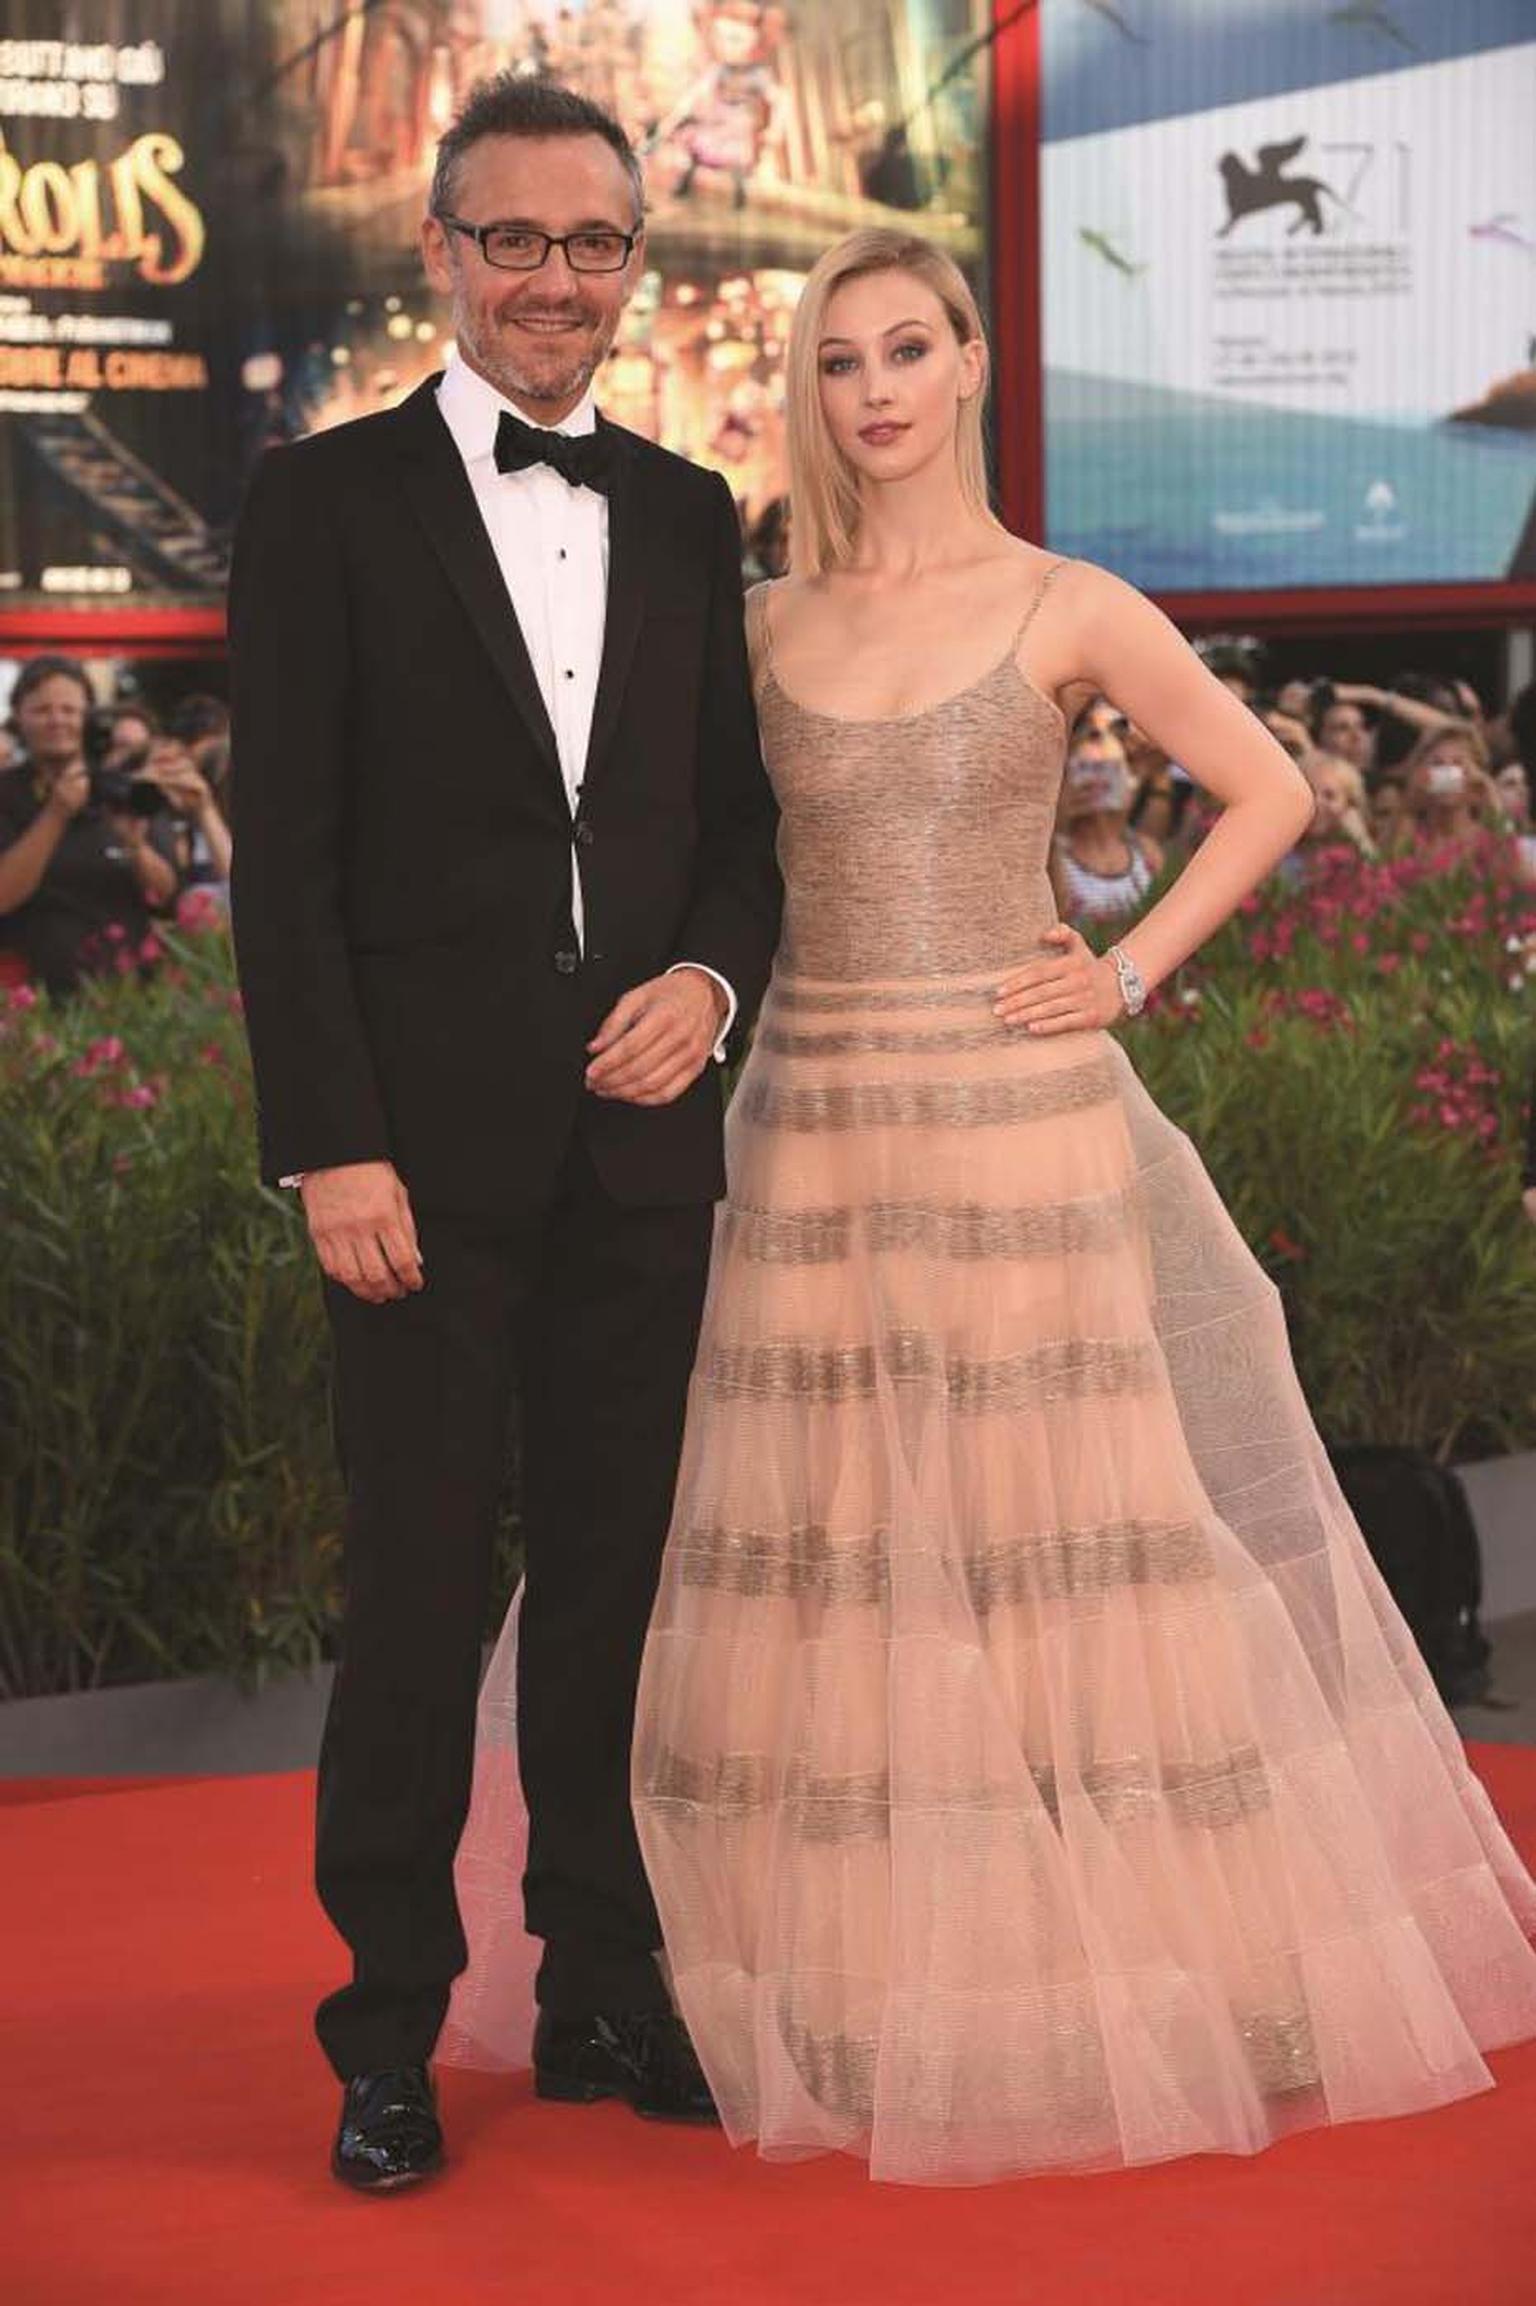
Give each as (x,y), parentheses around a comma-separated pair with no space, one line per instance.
(823,488)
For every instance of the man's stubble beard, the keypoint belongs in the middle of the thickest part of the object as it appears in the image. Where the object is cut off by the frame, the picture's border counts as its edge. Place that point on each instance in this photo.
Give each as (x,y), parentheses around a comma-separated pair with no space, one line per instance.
(491,359)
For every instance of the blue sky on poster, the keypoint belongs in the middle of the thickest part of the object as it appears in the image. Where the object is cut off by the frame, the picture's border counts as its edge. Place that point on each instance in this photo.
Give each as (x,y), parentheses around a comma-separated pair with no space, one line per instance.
(1114,63)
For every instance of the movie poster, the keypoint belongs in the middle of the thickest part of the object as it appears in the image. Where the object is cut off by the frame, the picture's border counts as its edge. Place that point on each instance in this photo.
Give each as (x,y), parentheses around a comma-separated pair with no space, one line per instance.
(1288,257)
(209,215)
(116,380)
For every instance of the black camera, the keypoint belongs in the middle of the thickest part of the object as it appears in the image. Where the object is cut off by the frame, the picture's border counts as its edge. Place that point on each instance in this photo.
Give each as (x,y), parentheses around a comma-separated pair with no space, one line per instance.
(123,789)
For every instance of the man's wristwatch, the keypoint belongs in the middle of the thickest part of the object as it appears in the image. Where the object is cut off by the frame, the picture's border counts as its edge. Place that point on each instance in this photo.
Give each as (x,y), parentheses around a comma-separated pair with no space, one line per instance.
(1133,992)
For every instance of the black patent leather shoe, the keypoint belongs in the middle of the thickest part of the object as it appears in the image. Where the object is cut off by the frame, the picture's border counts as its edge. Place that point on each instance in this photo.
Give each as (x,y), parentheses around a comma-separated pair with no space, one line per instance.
(643,2057)
(390,2135)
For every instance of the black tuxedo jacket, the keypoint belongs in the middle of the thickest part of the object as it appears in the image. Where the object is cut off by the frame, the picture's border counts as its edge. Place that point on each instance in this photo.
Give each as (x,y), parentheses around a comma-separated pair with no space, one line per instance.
(413,987)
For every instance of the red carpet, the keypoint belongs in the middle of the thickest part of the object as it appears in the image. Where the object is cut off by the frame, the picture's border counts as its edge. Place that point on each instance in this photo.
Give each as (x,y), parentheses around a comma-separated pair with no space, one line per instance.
(167,2121)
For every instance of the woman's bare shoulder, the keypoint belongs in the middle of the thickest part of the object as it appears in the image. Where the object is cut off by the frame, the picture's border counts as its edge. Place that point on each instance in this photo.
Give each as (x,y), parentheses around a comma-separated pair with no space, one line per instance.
(777,605)
(1088,585)
(783,588)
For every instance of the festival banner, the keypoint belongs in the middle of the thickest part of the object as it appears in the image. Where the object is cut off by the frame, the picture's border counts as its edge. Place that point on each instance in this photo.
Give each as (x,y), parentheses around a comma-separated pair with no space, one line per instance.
(1288,268)
(208,235)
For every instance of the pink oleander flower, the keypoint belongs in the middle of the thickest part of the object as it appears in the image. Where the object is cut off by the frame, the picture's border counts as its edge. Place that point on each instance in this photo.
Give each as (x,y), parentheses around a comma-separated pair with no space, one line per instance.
(22,997)
(99,1056)
(197,910)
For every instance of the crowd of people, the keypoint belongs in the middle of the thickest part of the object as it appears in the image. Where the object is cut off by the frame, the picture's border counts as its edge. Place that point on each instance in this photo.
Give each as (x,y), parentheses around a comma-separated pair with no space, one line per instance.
(1420,763)
(108,817)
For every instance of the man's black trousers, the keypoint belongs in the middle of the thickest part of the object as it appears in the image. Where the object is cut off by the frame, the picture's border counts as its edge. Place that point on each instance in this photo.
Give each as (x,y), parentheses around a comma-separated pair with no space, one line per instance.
(591,1311)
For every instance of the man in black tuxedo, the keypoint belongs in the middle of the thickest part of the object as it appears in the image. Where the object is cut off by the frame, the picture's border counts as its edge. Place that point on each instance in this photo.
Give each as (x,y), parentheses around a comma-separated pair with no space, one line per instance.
(503,882)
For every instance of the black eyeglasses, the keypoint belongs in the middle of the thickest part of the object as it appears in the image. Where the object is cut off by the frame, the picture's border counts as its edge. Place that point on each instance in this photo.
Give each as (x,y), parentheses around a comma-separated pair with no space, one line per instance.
(519,248)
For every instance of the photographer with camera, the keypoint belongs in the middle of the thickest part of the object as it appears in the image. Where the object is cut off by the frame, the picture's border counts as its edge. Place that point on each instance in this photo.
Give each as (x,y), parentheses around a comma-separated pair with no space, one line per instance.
(191,765)
(82,862)
(203,848)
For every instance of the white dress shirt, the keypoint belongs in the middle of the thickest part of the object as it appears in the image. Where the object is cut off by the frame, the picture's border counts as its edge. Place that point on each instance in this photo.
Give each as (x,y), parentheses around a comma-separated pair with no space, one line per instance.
(551,546)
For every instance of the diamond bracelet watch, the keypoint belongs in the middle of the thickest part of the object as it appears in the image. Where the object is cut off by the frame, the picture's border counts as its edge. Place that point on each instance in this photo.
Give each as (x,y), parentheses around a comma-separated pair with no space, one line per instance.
(1132,990)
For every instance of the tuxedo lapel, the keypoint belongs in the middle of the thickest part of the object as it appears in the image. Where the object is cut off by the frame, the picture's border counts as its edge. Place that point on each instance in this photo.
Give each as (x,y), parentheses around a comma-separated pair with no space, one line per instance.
(438,488)
(626,597)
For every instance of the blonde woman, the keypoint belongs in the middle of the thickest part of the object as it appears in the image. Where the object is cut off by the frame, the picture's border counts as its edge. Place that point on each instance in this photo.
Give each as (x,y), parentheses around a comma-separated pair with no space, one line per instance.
(1031,1768)
(1448,793)
(1342,807)
(1101,867)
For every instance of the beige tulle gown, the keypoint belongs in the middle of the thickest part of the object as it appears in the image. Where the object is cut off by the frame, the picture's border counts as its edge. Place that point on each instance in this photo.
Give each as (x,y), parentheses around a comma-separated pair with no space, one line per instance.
(1032,1769)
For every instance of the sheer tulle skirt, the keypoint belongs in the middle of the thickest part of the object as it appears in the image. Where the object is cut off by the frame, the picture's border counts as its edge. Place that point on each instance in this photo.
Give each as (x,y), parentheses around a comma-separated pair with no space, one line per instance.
(491,2011)
(1032,1769)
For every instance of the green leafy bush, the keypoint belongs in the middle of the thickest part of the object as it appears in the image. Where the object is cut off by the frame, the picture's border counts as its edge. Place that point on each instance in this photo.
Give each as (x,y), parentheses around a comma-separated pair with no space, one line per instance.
(1352,1056)
(168,1503)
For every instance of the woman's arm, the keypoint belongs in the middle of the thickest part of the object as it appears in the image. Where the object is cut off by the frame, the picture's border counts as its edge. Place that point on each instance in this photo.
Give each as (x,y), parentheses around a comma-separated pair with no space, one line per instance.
(1412,711)
(1108,631)
(157,877)
(1155,676)
(216,838)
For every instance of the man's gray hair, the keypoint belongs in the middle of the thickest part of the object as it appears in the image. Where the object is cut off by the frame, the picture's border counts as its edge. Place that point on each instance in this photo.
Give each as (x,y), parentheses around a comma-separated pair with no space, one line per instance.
(525,104)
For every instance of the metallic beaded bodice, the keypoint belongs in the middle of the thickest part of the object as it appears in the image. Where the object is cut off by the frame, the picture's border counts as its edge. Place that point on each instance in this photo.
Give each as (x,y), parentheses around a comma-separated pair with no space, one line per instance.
(913,846)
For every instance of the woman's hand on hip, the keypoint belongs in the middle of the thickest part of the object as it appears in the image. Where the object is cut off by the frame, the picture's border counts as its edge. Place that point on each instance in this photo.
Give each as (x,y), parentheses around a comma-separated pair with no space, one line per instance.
(1071,991)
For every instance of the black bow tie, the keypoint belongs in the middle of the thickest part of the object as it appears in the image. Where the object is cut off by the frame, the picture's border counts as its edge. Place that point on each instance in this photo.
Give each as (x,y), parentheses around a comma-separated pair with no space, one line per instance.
(581,458)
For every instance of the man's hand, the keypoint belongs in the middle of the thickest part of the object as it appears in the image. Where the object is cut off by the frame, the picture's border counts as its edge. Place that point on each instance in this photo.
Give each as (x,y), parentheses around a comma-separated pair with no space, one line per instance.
(656,1039)
(69,791)
(364,1234)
